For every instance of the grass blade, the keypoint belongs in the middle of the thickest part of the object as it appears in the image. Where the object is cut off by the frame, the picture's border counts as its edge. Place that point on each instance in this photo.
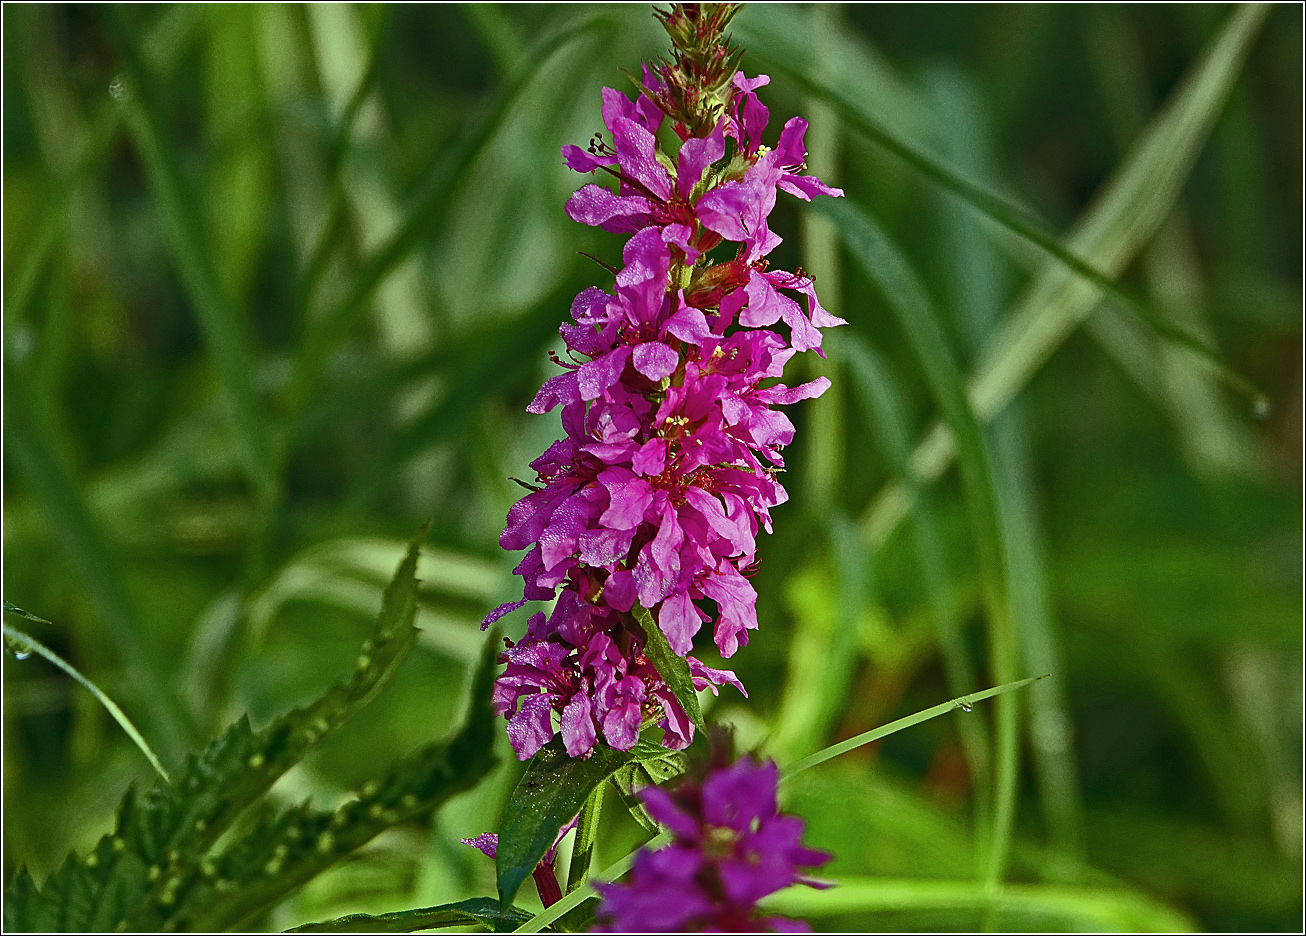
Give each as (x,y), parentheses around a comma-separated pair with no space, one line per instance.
(74,528)
(1019,221)
(977,274)
(423,217)
(879,396)
(16,636)
(889,271)
(1125,214)
(964,703)
(586,890)
(233,359)
(1015,907)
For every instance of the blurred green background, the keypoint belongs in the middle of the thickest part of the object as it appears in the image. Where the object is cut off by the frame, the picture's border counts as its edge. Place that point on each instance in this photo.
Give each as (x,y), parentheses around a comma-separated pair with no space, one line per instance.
(279,282)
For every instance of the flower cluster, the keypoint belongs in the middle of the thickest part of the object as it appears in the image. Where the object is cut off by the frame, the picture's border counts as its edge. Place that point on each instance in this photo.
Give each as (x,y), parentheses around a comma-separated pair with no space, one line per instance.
(656,493)
(730,849)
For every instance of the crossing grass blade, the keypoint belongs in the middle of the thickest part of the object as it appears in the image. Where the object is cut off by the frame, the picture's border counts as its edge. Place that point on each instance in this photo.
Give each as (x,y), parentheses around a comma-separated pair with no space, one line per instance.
(1125,214)
(976,273)
(82,540)
(877,391)
(859,117)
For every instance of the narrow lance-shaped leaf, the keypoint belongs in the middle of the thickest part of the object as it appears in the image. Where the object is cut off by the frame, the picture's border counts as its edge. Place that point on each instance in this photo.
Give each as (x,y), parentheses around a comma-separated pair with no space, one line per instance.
(1019,221)
(230,350)
(428,207)
(1017,908)
(548,796)
(673,669)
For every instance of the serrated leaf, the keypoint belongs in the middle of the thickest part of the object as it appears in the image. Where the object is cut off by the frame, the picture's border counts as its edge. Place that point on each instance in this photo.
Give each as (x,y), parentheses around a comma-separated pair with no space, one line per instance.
(287,850)
(162,835)
(483,910)
(549,794)
(627,780)
(673,669)
(633,777)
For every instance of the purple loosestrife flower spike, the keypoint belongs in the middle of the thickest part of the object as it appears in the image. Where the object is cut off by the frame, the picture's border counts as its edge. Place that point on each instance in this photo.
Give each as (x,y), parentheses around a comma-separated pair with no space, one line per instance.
(667,469)
(730,848)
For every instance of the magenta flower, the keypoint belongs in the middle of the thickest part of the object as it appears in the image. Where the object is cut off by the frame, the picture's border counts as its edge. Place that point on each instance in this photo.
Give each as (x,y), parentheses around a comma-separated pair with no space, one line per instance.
(666,473)
(731,848)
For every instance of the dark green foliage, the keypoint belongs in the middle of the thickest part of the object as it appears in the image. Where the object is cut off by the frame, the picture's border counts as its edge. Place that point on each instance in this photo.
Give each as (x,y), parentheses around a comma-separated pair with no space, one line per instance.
(156,870)
(477,910)
(292,283)
(549,795)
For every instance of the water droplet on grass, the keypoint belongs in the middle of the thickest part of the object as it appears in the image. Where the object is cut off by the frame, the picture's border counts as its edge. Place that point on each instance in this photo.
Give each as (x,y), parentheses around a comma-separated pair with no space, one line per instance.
(965,706)
(117,88)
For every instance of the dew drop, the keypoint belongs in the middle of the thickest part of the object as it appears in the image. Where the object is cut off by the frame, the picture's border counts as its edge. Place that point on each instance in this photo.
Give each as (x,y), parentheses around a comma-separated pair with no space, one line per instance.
(1261,407)
(966,706)
(117,88)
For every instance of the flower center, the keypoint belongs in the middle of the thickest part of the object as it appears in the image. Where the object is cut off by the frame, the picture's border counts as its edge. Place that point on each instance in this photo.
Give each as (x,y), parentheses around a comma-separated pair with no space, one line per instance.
(719,842)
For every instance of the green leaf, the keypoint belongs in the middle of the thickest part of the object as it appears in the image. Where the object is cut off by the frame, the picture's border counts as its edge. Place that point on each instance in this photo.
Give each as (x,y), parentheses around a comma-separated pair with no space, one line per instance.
(650,772)
(475,368)
(30,442)
(965,703)
(483,910)
(1013,908)
(548,796)
(673,669)
(282,853)
(582,850)
(585,891)
(878,393)
(26,644)
(163,835)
